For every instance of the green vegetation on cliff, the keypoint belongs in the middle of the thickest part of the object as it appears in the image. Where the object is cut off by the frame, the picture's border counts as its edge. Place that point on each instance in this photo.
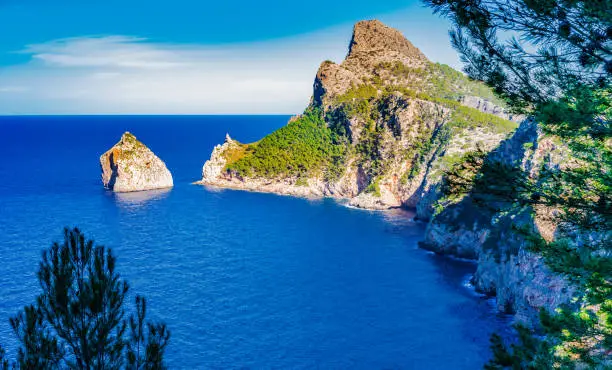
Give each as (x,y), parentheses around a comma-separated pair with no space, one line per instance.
(390,113)
(437,80)
(305,147)
(465,117)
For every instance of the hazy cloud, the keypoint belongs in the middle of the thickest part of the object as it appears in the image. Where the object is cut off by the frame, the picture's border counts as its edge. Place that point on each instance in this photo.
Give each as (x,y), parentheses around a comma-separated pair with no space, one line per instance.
(110,51)
(13,89)
(117,74)
(121,74)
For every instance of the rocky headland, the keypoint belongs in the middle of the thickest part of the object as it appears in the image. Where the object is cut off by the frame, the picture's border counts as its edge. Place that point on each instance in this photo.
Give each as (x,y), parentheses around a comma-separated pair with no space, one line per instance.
(130,166)
(381,131)
(395,118)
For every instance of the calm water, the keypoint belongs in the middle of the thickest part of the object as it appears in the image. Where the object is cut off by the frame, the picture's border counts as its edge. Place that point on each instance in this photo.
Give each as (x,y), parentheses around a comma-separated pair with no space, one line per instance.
(242,279)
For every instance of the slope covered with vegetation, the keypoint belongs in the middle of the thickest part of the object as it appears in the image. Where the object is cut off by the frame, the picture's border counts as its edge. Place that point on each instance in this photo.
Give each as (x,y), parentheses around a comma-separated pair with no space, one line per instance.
(319,143)
(306,146)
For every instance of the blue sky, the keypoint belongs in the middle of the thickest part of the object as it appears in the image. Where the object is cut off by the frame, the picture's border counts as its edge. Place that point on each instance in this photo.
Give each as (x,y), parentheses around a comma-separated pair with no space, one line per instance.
(185,56)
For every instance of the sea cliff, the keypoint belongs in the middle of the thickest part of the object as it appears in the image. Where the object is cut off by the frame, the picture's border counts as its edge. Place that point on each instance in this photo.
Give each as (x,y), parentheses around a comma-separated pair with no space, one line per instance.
(381,131)
(393,119)
(495,235)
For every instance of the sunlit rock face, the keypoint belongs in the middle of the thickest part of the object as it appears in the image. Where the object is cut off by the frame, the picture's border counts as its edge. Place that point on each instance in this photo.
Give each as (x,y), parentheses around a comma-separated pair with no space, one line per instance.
(130,166)
(379,98)
(372,43)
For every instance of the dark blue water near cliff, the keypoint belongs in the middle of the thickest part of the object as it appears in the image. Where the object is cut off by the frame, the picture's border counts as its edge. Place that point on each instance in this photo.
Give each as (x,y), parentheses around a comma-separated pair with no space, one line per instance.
(242,279)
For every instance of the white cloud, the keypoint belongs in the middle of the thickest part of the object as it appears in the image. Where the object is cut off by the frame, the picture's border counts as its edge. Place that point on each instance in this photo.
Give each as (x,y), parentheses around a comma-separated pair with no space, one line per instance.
(110,52)
(13,89)
(120,74)
(131,75)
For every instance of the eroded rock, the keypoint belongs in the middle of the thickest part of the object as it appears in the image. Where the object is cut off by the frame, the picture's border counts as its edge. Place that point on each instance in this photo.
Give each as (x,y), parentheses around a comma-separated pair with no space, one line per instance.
(130,166)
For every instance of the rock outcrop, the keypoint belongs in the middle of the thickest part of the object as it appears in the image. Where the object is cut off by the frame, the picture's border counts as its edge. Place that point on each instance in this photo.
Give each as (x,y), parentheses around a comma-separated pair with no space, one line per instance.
(398,112)
(372,45)
(519,278)
(130,166)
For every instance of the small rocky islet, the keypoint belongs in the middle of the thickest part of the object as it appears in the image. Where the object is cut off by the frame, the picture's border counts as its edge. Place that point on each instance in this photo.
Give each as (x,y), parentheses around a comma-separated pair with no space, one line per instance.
(130,166)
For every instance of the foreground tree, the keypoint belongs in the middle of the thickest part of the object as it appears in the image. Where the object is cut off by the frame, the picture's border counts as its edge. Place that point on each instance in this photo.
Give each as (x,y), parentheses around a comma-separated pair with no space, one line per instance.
(79,319)
(550,59)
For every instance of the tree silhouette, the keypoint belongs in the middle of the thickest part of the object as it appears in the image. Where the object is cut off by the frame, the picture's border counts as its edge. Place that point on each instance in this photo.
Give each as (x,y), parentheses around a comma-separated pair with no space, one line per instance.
(79,319)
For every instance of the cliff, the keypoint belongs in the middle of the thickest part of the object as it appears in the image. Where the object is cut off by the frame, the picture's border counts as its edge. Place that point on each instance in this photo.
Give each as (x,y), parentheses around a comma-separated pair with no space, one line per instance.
(381,128)
(495,236)
(130,166)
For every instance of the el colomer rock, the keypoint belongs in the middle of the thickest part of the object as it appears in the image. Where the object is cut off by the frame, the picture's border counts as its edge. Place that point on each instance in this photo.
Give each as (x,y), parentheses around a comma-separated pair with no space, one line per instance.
(130,166)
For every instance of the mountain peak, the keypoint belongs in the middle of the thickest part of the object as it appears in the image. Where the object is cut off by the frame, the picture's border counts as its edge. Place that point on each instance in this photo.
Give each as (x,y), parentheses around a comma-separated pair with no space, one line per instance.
(373,37)
(372,44)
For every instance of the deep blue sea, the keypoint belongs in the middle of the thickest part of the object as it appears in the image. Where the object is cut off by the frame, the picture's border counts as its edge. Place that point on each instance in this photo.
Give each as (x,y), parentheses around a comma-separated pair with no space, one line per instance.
(243,280)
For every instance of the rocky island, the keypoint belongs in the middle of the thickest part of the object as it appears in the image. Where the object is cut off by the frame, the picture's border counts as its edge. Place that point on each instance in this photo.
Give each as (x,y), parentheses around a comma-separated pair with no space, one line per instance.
(130,166)
(382,130)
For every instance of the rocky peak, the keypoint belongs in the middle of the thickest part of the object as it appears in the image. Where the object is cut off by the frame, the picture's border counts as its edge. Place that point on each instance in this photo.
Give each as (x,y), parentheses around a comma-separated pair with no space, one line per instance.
(372,43)
(130,166)
(373,38)
(128,137)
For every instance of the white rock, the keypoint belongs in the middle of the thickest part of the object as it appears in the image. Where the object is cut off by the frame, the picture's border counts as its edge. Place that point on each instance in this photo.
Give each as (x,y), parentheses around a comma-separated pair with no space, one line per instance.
(130,166)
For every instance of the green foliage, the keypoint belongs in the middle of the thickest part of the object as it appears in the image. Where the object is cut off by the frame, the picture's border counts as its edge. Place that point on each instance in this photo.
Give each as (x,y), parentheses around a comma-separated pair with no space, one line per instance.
(424,147)
(460,176)
(368,150)
(78,321)
(558,69)
(437,80)
(556,44)
(145,349)
(374,187)
(448,83)
(304,147)
(466,117)
(358,93)
(359,101)
(529,354)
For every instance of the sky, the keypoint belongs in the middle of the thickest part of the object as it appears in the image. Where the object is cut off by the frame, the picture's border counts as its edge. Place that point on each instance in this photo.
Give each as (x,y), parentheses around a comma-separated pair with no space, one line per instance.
(186,56)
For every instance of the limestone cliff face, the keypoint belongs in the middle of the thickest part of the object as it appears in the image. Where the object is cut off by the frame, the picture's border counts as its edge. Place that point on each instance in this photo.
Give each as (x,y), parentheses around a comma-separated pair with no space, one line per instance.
(130,166)
(521,281)
(399,115)
(372,44)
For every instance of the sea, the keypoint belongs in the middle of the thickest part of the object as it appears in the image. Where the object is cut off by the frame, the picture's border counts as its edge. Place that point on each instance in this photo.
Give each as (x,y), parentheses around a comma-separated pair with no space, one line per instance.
(243,280)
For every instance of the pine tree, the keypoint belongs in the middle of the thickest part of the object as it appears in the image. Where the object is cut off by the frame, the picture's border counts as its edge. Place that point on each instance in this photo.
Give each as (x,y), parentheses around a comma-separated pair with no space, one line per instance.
(78,321)
(552,60)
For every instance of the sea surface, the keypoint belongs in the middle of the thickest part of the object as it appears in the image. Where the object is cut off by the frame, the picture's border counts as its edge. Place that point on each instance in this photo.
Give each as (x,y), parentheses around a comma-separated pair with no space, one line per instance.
(243,280)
